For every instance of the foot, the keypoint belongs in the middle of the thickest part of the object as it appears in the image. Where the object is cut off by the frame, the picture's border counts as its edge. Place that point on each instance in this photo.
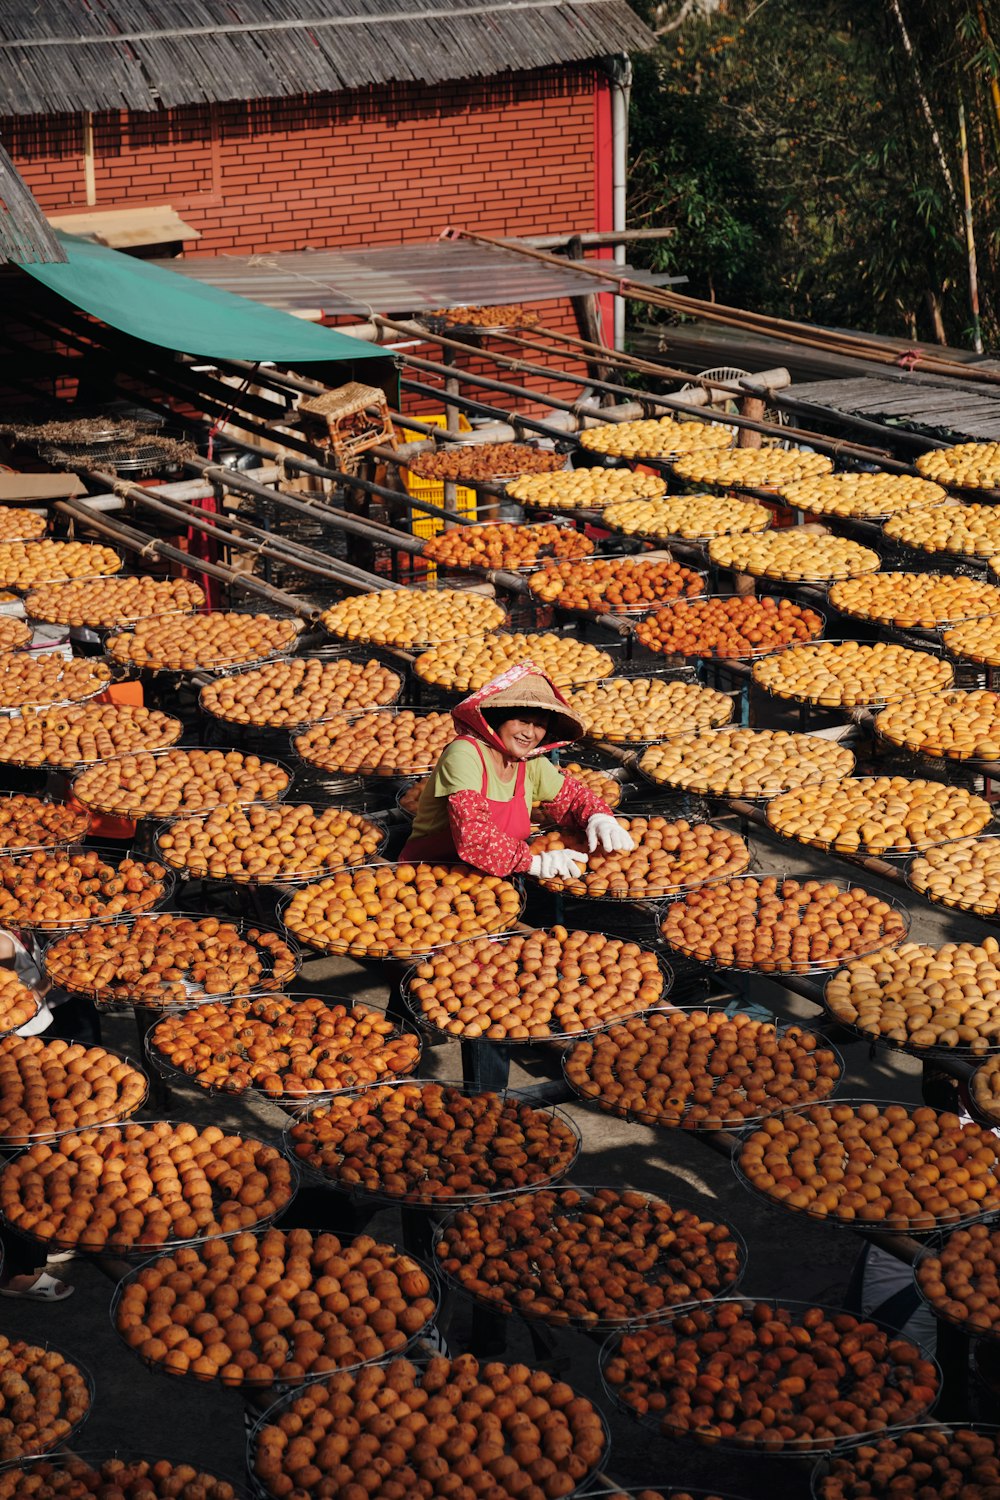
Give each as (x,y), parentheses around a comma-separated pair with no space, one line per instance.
(37,1286)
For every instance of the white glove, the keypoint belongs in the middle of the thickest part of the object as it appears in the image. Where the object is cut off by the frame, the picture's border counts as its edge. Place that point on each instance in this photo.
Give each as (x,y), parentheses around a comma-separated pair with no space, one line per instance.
(558,864)
(606,831)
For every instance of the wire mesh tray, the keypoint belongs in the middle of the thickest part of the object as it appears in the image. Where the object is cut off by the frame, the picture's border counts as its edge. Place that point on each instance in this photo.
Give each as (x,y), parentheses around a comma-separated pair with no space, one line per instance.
(563,523)
(99,629)
(891,1223)
(986,1107)
(217,664)
(747,794)
(414,1196)
(646,892)
(614,651)
(546,1035)
(286,1405)
(128,1250)
(278,1382)
(25,920)
(904,623)
(41,1470)
(257,880)
(790,965)
(391,774)
(844,1451)
(928,1251)
(409,640)
(678,538)
(658,1491)
(289,1099)
(678,605)
(17,1140)
(878,701)
(41,1446)
(79,828)
(99,685)
(172,728)
(158,814)
(678,1120)
(17,586)
(657,1275)
(627,564)
(710,1436)
(185,992)
(395,951)
(861,848)
(892,1044)
(327,656)
(933,753)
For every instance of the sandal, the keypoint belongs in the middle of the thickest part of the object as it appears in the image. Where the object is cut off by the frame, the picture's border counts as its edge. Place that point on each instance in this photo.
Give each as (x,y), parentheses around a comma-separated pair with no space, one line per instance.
(44,1288)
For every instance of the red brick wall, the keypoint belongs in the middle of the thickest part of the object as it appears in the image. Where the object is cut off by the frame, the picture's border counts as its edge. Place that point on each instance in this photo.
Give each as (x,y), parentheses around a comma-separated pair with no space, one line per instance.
(509,155)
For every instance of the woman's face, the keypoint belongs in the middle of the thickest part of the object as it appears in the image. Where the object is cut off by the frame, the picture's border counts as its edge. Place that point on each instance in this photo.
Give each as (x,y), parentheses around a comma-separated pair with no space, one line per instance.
(521,736)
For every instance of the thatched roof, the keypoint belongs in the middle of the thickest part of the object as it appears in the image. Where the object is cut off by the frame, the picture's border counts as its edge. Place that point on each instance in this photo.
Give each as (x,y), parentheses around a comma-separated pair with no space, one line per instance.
(25,234)
(68,55)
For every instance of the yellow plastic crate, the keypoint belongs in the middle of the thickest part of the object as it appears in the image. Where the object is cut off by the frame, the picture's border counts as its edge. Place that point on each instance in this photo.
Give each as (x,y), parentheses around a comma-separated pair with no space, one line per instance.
(432,490)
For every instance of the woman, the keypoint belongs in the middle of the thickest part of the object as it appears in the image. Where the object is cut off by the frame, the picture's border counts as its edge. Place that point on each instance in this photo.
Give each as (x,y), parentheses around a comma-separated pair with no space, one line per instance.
(476,805)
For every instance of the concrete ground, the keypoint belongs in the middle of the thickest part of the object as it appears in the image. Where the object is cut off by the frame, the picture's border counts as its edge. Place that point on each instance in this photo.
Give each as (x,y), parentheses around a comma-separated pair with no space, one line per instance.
(788,1256)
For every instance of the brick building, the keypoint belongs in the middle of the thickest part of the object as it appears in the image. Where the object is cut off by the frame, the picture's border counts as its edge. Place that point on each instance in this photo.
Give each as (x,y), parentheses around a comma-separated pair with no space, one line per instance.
(361,123)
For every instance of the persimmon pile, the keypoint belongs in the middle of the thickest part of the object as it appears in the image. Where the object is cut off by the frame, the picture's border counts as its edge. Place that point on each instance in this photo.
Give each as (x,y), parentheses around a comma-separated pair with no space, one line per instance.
(168,959)
(17,525)
(781,926)
(872,497)
(286,694)
(67,1478)
(52,888)
(109,603)
(23,565)
(960,1461)
(614,585)
(745,762)
(48,1086)
(14,633)
(793,555)
(953,725)
(125,1187)
(975,640)
(920,997)
(501,545)
(752,468)
(400,910)
(28,822)
(412,617)
(84,733)
(965,874)
(584,489)
(772,1377)
(729,626)
(985,1088)
(261,844)
(549,982)
(432,1143)
(567,1255)
(394,742)
(17,1002)
(668,857)
(274,1306)
(916,601)
(28,681)
(846,674)
(441,1427)
(961,1278)
(178,781)
(701,1070)
(690,517)
(186,643)
(968,465)
(876,1164)
(878,814)
(963,530)
(465,666)
(654,437)
(631,710)
(485,461)
(43,1398)
(288,1047)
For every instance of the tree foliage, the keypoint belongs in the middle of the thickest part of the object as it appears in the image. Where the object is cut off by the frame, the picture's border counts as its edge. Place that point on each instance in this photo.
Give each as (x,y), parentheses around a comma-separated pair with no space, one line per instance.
(807,154)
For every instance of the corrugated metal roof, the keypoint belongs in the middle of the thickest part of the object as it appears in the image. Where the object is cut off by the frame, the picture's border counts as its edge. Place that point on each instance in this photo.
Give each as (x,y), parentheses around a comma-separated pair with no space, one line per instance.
(394,279)
(66,55)
(24,233)
(959,408)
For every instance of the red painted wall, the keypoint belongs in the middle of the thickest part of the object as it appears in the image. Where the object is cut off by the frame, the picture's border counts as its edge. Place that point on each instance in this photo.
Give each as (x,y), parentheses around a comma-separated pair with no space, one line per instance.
(523,153)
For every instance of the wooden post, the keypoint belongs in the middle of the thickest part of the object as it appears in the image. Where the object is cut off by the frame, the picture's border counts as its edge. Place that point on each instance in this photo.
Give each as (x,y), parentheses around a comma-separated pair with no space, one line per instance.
(588,320)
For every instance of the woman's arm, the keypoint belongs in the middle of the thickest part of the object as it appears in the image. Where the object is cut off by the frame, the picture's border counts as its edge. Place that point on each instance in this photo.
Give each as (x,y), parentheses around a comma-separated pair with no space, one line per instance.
(478,841)
(575,804)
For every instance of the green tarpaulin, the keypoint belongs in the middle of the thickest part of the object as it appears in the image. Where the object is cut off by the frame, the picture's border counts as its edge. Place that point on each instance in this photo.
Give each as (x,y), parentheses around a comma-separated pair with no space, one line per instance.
(174,312)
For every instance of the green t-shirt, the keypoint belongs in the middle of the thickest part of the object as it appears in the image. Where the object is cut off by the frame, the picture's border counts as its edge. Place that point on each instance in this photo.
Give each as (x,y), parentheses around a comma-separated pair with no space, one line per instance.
(460,769)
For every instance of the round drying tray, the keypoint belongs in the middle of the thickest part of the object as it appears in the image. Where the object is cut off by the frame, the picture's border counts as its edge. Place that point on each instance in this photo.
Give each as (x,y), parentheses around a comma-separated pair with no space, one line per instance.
(546,1033)
(618,890)
(45,1473)
(436,1196)
(875,1039)
(19,1140)
(326,656)
(164,729)
(78,820)
(709,1436)
(887,1224)
(821,699)
(43,1443)
(139,813)
(929,1250)
(699,787)
(677,607)
(301,871)
(371,769)
(44,924)
(875,1446)
(576,1203)
(213,664)
(839,845)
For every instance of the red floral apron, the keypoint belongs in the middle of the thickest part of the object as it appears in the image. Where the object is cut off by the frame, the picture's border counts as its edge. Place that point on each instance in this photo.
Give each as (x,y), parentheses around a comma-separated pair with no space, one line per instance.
(512,818)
